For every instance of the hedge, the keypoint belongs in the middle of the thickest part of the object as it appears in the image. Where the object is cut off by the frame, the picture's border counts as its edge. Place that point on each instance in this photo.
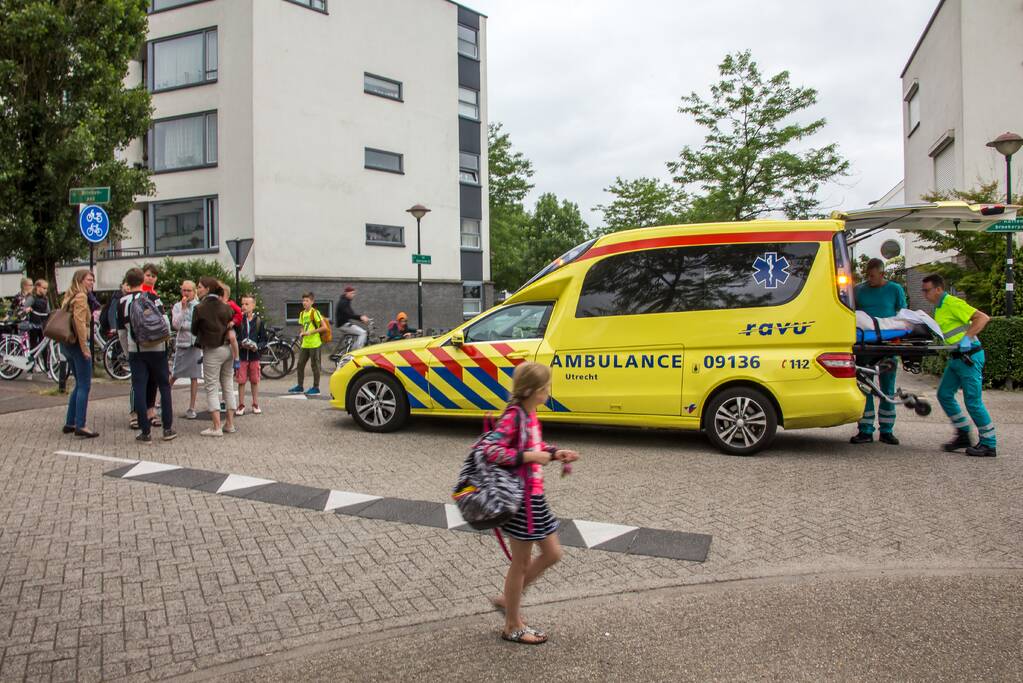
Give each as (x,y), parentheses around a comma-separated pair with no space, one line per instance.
(1003,353)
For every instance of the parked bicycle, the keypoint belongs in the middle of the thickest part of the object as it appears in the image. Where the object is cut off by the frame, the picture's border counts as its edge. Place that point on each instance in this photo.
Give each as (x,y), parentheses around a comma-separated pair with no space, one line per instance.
(115,360)
(277,358)
(17,356)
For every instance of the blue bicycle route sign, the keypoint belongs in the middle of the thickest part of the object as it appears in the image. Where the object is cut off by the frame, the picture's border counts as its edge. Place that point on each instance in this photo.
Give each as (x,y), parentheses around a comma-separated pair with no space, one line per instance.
(94,223)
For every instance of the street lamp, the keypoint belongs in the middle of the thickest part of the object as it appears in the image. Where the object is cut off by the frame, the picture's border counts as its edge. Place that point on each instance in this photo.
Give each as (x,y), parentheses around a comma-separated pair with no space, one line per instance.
(1008,144)
(419,211)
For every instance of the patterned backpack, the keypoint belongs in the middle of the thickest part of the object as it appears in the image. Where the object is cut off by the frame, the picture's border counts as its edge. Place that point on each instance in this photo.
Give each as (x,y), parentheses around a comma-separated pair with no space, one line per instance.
(486,494)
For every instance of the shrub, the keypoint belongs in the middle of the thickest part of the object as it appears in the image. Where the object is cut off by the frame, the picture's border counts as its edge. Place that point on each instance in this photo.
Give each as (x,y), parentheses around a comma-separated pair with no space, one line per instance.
(173,273)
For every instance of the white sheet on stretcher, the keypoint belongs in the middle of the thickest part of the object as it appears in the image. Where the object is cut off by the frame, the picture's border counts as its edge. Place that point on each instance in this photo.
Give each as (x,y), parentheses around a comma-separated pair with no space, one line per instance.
(904,320)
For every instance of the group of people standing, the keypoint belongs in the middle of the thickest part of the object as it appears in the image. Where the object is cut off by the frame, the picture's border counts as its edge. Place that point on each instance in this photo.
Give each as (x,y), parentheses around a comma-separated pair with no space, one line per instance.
(206,336)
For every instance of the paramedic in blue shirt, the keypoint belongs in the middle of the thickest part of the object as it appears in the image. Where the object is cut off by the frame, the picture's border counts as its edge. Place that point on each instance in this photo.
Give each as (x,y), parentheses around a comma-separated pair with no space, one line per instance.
(879,298)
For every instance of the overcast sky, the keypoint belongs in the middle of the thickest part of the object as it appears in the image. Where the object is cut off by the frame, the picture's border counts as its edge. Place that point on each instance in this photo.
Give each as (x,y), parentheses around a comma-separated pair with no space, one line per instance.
(590,89)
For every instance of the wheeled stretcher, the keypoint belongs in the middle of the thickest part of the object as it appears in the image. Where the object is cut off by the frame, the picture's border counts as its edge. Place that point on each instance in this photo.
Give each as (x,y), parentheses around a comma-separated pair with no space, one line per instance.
(879,350)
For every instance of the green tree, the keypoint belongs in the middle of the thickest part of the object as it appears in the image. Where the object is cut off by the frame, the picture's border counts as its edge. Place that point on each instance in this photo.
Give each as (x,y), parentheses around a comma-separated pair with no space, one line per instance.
(749,165)
(64,112)
(509,174)
(978,254)
(173,273)
(554,228)
(641,203)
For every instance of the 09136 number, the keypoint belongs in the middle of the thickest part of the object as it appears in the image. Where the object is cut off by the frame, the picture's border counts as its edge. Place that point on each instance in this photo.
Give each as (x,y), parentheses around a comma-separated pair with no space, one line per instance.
(733,362)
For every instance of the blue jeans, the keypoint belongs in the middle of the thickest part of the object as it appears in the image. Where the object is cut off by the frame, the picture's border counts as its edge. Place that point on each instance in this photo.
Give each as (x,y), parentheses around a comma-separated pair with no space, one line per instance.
(78,401)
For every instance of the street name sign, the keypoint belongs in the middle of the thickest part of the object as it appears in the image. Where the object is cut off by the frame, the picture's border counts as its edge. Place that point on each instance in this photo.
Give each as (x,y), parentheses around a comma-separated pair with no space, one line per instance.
(89,195)
(423,259)
(94,223)
(1015,225)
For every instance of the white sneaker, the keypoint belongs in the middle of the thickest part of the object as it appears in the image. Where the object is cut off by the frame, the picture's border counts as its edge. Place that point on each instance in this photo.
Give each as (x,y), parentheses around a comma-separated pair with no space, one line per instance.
(230,430)
(240,411)
(256,410)
(210,431)
(190,414)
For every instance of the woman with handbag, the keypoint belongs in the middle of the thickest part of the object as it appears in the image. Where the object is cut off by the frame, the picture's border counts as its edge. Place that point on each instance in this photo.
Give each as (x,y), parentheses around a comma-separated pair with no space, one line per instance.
(70,326)
(211,325)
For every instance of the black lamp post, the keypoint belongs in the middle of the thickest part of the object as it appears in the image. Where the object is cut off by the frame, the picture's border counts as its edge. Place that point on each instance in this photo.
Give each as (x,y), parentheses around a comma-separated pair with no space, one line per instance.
(1008,144)
(419,211)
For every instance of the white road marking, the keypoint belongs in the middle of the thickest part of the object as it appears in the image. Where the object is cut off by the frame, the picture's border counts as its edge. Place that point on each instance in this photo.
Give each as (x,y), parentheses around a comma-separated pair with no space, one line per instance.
(240,481)
(595,533)
(454,515)
(93,456)
(147,467)
(342,499)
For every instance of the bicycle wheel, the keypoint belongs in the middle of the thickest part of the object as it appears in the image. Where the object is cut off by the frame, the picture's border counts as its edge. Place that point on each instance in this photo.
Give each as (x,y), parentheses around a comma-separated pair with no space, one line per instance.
(52,360)
(276,360)
(115,361)
(10,349)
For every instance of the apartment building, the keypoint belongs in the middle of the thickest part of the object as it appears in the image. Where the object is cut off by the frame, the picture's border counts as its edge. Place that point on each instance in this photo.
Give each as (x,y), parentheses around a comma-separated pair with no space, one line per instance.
(311,126)
(963,86)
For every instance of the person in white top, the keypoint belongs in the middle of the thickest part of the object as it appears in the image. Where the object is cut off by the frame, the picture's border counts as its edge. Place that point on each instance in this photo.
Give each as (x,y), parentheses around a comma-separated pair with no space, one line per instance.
(187,356)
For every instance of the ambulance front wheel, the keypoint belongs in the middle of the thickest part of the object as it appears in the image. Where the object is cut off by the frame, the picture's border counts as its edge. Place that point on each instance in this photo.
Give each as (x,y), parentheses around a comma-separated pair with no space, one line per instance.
(378,403)
(741,421)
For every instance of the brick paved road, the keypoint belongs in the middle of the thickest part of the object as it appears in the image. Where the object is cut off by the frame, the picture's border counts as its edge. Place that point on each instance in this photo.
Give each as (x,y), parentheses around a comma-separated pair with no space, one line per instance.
(102,578)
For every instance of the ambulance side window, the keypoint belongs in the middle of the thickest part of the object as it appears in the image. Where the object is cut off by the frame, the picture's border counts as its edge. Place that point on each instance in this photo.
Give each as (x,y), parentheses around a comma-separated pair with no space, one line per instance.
(524,321)
(698,278)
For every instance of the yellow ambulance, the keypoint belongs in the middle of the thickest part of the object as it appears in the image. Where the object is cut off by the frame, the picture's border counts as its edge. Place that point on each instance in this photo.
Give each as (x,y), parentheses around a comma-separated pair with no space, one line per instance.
(732,328)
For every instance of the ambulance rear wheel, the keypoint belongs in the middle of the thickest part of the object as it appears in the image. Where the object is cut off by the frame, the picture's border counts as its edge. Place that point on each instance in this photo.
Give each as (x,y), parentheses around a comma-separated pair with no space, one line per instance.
(741,421)
(378,403)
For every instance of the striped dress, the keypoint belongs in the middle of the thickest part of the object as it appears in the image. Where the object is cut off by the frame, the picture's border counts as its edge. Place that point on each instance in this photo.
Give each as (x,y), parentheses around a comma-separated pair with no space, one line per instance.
(507,452)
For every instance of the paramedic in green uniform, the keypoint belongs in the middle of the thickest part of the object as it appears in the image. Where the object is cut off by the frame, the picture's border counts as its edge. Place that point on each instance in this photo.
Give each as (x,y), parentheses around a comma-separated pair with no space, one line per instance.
(960,324)
(879,298)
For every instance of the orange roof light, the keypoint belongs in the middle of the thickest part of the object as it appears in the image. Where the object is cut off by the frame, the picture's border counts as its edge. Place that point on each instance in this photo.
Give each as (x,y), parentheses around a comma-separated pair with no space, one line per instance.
(843,279)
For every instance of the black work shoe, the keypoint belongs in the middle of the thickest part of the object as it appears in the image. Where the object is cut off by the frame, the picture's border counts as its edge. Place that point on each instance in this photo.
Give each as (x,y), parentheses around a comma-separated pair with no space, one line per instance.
(889,439)
(862,437)
(981,451)
(169,435)
(961,440)
(144,438)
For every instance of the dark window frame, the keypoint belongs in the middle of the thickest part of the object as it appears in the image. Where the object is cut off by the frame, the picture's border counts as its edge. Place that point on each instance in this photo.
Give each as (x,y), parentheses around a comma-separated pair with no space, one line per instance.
(476,44)
(462,233)
(211,230)
(308,5)
(401,87)
(150,9)
(479,107)
(149,64)
(467,169)
(150,151)
(380,243)
(399,155)
(329,315)
(589,295)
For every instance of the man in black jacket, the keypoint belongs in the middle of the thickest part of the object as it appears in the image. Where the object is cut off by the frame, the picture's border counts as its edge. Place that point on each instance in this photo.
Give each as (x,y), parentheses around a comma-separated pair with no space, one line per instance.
(346,317)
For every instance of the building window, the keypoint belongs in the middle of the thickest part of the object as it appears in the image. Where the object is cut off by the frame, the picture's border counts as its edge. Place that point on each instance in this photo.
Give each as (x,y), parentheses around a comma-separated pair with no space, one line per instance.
(379,160)
(183,225)
(382,87)
(387,235)
(472,299)
(699,278)
(469,168)
(468,42)
(471,234)
(945,168)
(161,5)
(184,142)
(292,309)
(913,108)
(318,5)
(11,265)
(184,61)
(469,103)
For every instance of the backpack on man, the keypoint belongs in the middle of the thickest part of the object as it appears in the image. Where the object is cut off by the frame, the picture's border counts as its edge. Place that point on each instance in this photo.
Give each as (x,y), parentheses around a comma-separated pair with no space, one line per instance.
(148,325)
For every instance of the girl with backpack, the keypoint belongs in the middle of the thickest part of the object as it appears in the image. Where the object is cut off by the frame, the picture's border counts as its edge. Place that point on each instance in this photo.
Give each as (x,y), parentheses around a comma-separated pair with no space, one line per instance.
(520,445)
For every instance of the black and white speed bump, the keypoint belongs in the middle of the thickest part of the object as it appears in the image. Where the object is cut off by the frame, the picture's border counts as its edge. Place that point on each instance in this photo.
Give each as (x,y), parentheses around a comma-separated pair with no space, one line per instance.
(578,533)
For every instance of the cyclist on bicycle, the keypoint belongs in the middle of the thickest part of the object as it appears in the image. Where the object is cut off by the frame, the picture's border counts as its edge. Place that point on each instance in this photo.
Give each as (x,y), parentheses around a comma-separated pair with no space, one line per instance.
(346,317)
(399,328)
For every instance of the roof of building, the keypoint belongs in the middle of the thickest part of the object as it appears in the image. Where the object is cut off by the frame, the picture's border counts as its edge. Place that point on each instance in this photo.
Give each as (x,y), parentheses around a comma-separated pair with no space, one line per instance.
(941,3)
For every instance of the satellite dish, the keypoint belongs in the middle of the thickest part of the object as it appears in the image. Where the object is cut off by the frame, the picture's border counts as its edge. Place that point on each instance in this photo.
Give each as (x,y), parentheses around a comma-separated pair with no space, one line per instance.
(890,249)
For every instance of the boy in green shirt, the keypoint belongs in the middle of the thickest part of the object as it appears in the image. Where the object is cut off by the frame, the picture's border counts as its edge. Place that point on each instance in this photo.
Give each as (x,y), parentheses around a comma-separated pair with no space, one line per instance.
(879,298)
(960,324)
(312,324)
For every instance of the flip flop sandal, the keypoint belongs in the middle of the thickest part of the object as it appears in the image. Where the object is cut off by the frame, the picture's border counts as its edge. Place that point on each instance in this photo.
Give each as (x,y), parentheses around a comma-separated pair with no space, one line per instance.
(134,424)
(519,636)
(155,422)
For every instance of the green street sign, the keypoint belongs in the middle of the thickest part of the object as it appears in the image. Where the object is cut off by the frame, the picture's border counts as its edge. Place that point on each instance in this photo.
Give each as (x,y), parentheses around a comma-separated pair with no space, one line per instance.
(421,258)
(1015,225)
(89,195)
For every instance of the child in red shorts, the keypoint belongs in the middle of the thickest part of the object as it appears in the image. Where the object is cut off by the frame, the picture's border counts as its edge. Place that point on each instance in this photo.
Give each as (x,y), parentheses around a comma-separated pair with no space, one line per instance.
(251,338)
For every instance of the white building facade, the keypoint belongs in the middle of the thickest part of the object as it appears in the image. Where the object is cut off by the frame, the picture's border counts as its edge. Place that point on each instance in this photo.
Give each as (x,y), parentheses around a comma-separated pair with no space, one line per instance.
(311,126)
(963,86)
